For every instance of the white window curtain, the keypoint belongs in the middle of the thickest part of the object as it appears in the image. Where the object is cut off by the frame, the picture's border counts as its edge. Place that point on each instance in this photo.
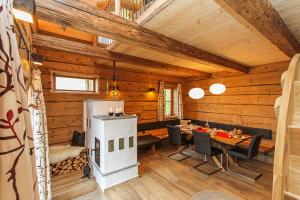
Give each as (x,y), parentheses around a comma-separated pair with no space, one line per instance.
(17,161)
(161,103)
(40,134)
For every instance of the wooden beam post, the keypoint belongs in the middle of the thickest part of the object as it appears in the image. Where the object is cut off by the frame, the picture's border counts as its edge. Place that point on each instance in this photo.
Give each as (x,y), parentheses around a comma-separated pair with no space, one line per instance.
(89,50)
(81,16)
(265,19)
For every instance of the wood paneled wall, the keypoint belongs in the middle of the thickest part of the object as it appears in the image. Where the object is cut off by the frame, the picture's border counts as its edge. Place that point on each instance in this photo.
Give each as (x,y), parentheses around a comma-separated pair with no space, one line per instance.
(65,110)
(248,100)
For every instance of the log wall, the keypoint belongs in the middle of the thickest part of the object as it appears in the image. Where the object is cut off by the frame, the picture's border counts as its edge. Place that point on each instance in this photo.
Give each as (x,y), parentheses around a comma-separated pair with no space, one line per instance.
(65,110)
(248,100)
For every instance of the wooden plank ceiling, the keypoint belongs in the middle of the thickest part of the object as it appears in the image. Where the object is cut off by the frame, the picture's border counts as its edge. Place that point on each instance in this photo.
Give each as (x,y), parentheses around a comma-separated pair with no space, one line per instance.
(265,19)
(290,13)
(206,25)
(200,35)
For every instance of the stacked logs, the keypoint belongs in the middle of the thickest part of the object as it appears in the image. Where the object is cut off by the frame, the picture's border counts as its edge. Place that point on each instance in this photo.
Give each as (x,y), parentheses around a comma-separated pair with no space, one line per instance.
(69,165)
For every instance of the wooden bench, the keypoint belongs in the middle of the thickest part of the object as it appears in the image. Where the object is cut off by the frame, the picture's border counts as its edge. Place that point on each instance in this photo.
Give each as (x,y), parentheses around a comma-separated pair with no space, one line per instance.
(161,133)
(145,141)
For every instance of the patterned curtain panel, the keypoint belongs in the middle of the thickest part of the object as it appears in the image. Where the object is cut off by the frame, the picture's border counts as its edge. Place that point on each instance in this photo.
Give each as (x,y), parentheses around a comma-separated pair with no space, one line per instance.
(17,163)
(160,106)
(179,102)
(40,134)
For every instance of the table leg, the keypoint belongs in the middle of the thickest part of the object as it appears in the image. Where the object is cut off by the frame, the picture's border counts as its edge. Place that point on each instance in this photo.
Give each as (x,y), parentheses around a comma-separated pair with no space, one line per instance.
(228,158)
(217,162)
(152,148)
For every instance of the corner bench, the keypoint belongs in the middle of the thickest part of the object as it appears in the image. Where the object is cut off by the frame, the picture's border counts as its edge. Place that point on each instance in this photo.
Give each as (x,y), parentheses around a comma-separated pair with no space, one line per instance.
(151,133)
(145,141)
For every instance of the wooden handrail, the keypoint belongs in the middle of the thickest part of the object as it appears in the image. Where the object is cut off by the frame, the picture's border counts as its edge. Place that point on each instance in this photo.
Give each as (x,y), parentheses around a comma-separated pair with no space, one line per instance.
(280,170)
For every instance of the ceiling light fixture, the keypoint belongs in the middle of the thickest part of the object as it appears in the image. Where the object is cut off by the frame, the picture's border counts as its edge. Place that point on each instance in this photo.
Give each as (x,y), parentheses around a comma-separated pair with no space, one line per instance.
(196,93)
(217,88)
(24,10)
(115,90)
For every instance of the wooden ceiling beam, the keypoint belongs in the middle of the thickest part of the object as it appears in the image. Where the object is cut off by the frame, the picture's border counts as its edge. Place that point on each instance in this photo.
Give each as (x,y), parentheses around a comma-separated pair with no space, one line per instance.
(89,50)
(265,19)
(84,17)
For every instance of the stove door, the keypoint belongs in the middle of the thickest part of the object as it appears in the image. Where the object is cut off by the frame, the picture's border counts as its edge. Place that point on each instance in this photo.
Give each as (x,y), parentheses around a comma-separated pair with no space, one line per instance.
(97,151)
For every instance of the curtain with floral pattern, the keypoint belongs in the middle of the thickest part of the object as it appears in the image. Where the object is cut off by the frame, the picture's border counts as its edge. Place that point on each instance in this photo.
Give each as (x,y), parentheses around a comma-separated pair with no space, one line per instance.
(17,161)
(161,103)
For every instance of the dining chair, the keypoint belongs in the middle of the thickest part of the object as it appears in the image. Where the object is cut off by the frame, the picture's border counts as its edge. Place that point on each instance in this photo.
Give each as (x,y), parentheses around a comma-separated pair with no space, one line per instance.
(202,143)
(176,138)
(185,122)
(246,154)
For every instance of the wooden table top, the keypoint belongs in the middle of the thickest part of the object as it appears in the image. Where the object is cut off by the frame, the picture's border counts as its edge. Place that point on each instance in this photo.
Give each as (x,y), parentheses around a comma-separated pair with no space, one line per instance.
(229,141)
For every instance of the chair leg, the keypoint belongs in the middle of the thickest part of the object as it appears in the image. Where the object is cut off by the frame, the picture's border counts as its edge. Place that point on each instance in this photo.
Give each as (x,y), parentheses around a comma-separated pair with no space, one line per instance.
(204,162)
(242,175)
(179,151)
(227,162)
(222,160)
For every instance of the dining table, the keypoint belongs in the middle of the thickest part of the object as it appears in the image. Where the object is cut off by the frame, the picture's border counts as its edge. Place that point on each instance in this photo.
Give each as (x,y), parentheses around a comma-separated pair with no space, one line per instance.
(220,138)
(225,139)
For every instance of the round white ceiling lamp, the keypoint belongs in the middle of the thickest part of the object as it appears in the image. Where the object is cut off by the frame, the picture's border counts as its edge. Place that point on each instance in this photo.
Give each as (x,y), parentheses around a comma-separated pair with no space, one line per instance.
(196,93)
(217,88)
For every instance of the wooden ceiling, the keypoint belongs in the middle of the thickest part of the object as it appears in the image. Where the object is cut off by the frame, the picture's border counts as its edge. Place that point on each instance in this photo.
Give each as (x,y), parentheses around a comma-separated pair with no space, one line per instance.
(206,25)
(209,27)
(290,13)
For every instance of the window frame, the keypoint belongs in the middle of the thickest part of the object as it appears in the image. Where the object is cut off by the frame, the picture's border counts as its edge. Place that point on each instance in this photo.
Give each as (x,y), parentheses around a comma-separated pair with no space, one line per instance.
(55,74)
(172,114)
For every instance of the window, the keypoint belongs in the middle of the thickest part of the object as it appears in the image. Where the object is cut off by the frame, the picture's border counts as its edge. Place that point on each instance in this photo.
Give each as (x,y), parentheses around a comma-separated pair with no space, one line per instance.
(104,40)
(170,93)
(168,102)
(69,83)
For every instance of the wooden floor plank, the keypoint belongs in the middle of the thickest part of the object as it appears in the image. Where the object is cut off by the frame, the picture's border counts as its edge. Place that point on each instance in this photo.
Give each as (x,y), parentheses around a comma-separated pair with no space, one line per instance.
(163,178)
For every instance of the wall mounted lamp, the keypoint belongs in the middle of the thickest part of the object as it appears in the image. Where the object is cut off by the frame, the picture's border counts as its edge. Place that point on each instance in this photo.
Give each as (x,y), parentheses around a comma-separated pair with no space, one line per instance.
(24,10)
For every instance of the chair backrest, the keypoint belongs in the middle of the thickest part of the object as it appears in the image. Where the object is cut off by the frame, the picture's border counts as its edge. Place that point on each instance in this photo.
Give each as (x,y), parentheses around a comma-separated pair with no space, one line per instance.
(254,145)
(185,121)
(202,142)
(174,134)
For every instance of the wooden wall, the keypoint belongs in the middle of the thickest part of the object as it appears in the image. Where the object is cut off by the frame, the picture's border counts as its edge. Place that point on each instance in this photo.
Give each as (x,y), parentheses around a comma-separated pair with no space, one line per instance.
(65,110)
(248,100)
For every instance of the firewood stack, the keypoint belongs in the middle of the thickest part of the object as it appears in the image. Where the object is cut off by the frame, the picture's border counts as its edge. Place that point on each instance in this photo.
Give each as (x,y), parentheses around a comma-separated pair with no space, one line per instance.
(69,165)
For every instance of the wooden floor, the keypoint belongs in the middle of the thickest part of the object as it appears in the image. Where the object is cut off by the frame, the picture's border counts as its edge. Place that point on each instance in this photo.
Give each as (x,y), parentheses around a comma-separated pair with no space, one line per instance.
(163,178)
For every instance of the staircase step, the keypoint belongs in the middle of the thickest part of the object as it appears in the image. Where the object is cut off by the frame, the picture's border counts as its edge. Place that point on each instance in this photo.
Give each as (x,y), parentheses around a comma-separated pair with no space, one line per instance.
(57,189)
(292,195)
(61,180)
(71,185)
(294,162)
(296,117)
(294,138)
(294,180)
(63,176)
(294,127)
(75,190)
